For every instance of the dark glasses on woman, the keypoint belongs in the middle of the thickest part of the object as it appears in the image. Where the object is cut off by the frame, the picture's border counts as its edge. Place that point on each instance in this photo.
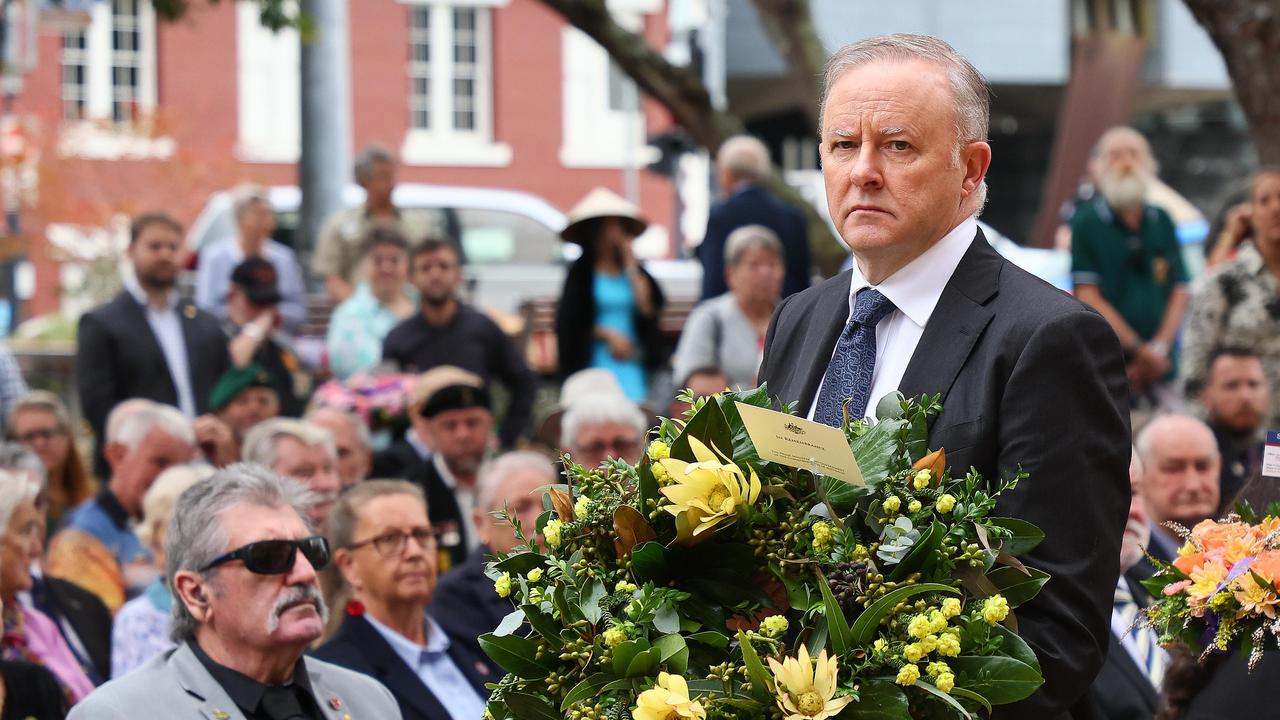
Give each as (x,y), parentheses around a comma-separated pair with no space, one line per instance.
(276,557)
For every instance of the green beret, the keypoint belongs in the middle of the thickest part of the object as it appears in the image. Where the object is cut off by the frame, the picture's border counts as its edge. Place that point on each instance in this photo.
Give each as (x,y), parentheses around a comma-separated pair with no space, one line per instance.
(235,381)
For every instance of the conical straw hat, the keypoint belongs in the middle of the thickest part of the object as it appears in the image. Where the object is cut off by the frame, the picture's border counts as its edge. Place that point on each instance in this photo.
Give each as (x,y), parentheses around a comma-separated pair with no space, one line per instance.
(601,203)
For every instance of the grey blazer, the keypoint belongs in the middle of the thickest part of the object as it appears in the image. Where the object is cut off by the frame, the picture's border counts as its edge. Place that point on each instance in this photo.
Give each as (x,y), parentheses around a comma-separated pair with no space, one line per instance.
(175,685)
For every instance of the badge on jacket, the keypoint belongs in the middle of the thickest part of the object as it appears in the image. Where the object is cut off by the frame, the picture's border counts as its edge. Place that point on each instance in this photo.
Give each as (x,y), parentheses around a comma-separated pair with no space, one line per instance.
(1160,269)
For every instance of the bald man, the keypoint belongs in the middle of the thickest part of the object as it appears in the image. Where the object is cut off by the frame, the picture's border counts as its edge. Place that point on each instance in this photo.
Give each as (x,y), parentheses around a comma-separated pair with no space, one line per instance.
(1181,463)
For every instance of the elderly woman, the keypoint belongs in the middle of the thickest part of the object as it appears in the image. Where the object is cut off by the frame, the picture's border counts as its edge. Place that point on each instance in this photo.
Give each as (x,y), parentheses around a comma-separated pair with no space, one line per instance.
(360,323)
(40,421)
(609,307)
(29,635)
(141,629)
(727,331)
(385,548)
(1236,305)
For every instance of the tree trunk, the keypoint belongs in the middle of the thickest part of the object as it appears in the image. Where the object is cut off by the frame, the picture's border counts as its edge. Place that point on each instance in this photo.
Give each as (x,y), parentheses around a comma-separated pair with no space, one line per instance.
(685,96)
(789,24)
(1247,33)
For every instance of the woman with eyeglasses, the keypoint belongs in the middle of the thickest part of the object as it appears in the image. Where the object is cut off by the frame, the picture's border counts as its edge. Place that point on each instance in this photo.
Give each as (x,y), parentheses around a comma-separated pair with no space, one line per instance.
(141,628)
(385,548)
(40,421)
(29,635)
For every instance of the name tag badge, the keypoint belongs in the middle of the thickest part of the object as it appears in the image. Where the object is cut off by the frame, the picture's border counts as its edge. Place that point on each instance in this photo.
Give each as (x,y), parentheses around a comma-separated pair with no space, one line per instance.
(1271,455)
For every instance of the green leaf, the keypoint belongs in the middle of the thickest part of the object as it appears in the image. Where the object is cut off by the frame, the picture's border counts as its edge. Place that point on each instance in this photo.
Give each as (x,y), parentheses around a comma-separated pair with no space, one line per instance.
(925,547)
(1001,680)
(514,654)
(818,638)
(890,407)
(864,628)
(644,663)
(710,638)
(1025,535)
(666,619)
(647,484)
(1016,587)
(837,625)
(585,689)
(970,695)
(625,652)
(513,620)
(934,691)
(521,563)
(1014,646)
(874,451)
(878,700)
(524,706)
(709,426)
(843,496)
(673,651)
(590,604)
(649,562)
(761,680)
(543,624)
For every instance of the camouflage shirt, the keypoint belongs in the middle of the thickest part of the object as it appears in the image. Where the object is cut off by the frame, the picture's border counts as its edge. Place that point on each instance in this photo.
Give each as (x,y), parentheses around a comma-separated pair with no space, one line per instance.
(1237,305)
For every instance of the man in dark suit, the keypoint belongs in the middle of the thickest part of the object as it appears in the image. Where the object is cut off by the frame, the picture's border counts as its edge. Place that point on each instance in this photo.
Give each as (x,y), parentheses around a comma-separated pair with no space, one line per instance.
(148,342)
(1028,376)
(743,164)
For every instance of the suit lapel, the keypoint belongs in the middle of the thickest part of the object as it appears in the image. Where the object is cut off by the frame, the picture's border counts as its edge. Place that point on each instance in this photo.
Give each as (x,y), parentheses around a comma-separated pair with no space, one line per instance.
(187,316)
(392,672)
(215,703)
(956,324)
(832,310)
(137,316)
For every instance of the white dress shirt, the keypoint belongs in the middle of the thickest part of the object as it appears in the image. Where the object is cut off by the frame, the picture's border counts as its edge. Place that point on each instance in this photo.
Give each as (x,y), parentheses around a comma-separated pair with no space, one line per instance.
(167,327)
(914,291)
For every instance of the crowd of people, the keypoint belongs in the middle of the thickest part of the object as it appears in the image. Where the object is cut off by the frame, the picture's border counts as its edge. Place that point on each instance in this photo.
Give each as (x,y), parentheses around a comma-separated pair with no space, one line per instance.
(231,542)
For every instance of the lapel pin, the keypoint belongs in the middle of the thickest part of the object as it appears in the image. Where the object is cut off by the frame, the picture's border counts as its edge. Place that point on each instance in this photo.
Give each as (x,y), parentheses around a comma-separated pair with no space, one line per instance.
(481,668)
(221,715)
(335,702)
(190,312)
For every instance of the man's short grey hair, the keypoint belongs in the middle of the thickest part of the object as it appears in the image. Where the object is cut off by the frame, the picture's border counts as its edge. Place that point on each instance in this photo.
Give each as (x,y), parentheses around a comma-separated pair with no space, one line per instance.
(495,472)
(15,489)
(345,515)
(969,91)
(1147,435)
(260,442)
(139,422)
(368,157)
(361,430)
(598,410)
(246,197)
(16,456)
(196,534)
(744,157)
(750,237)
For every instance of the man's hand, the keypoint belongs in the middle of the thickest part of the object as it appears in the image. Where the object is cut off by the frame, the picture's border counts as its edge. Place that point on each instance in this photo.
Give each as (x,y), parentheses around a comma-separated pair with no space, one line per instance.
(216,441)
(1149,364)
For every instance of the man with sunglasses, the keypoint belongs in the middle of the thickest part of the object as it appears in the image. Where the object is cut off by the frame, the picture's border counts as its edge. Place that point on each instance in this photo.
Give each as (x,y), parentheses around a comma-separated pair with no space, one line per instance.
(242,564)
(386,550)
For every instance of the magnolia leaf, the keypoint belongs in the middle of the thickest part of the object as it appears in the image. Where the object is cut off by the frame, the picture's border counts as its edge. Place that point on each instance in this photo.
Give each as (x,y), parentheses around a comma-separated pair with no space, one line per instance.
(586,689)
(1001,680)
(1016,586)
(935,462)
(1014,646)
(878,700)
(521,563)
(543,624)
(631,530)
(1004,558)
(863,629)
(1025,535)
(975,581)
(562,503)
(514,654)
(525,706)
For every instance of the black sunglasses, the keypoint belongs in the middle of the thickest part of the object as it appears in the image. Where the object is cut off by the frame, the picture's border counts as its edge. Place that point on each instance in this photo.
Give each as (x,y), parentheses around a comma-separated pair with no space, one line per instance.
(276,557)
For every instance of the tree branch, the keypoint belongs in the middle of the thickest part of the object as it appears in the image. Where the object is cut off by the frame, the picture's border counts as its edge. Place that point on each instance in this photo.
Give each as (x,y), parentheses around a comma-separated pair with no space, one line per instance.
(789,24)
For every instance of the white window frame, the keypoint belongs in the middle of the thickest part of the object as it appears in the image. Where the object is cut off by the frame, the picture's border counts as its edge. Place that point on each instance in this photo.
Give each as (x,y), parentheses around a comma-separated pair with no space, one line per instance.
(441,144)
(268,130)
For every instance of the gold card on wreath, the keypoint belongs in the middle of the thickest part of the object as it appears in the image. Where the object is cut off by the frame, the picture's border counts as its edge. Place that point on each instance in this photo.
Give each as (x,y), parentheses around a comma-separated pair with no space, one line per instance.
(800,443)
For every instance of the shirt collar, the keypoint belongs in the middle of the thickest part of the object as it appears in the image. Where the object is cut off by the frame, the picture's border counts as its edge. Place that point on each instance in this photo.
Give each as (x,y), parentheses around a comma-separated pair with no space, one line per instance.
(1250,258)
(244,690)
(134,288)
(412,653)
(110,505)
(442,467)
(916,287)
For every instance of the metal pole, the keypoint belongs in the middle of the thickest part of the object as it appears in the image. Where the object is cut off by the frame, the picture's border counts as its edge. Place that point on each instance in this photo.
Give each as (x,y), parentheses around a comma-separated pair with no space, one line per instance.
(325,165)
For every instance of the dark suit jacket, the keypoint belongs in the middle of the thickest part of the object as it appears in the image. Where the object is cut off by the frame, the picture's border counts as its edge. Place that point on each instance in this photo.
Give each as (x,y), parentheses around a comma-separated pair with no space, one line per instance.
(357,646)
(1029,377)
(754,205)
(31,691)
(398,461)
(1122,691)
(445,514)
(465,604)
(118,357)
(68,604)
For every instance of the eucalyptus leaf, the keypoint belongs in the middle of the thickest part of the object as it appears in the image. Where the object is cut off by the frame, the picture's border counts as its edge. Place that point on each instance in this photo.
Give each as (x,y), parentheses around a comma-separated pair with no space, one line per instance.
(666,619)
(923,549)
(590,604)
(514,654)
(890,407)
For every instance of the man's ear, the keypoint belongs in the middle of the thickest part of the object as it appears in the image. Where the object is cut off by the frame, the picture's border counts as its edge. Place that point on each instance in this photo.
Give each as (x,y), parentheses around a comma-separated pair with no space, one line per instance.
(115,453)
(193,591)
(345,561)
(975,158)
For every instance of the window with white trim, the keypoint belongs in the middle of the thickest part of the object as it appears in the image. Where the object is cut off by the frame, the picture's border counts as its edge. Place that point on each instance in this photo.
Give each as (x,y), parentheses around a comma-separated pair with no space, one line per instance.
(268,89)
(109,66)
(75,75)
(450,85)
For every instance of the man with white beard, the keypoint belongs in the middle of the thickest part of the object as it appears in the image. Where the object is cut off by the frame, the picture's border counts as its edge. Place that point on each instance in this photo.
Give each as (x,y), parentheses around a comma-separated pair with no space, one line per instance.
(1127,264)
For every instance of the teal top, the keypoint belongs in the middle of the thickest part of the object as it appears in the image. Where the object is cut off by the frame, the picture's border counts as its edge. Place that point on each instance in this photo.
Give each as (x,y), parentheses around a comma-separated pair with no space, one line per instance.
(615,310)
(356,330)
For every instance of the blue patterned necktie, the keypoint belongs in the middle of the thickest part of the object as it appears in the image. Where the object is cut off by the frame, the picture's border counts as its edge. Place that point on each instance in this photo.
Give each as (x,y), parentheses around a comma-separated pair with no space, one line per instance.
(1140,641)
(854,363)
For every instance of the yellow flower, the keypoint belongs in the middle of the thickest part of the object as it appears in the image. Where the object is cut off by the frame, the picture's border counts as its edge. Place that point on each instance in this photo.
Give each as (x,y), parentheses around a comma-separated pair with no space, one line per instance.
(918,627)
(821,535)
(624,586)
(551,532)
(879,645)
(1206,579)
(666,700)
(908,675)
(995,609)
(706,493)
(502,585)
(951,607)
(774,626)
(913,652)
(945,504)
(913,506)
(922,480)
(929,643)
(659,450)
(945,682)
(948,645)
(937,621)
(535,595)
(660,474)
(934,669)
(534,575)
(614,636)
(805,688)
(1254,598)
(892,505)
(582,507)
